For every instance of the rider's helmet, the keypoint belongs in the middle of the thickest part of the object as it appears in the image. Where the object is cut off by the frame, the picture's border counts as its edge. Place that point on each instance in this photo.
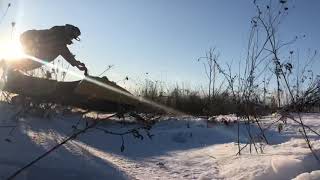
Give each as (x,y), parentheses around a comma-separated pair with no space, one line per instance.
(72,31)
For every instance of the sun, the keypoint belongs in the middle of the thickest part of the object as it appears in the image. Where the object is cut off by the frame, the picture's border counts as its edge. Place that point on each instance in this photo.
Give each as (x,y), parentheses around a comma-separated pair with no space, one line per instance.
(11,50)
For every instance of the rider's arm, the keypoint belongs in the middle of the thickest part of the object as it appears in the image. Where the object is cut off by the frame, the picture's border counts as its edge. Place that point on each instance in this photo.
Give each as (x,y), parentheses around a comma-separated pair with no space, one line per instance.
(68,56)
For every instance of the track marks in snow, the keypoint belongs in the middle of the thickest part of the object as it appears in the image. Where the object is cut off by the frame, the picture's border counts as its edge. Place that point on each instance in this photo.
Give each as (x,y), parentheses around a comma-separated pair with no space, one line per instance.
(176,165)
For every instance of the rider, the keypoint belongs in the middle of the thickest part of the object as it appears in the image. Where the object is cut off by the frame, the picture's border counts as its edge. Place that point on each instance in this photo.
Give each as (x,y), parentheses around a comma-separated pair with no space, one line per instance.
(47,45)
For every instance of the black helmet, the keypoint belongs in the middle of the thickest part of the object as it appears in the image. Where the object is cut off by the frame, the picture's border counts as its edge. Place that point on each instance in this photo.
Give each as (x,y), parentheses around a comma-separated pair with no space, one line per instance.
(73,31)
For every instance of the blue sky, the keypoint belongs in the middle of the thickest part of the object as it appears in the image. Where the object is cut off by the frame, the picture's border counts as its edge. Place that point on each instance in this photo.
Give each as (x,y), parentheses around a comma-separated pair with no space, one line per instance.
(163,38)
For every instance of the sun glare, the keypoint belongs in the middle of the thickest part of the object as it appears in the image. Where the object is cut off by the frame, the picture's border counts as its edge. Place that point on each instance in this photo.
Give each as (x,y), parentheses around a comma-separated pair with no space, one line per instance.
(11,50)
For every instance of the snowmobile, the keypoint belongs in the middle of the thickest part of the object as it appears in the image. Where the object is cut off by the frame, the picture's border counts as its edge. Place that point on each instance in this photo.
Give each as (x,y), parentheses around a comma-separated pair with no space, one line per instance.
(91,93)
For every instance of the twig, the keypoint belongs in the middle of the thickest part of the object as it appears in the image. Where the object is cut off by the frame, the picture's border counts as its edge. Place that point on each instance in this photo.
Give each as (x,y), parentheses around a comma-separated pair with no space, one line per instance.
(302,124)
(310,146)
(8,126)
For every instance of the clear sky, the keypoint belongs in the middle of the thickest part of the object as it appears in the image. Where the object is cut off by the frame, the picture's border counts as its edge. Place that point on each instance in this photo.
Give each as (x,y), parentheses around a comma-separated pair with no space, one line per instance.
(163,38)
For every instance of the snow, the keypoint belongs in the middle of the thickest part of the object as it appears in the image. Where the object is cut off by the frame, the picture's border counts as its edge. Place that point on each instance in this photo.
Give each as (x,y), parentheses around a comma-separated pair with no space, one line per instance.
(180,148)
(314,175)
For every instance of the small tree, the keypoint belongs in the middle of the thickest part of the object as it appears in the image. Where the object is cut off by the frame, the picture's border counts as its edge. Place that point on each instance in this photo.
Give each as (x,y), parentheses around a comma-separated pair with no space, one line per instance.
(209,64)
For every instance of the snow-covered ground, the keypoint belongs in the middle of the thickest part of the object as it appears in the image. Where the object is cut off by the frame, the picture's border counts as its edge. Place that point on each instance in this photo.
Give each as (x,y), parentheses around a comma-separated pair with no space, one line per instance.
(181,148)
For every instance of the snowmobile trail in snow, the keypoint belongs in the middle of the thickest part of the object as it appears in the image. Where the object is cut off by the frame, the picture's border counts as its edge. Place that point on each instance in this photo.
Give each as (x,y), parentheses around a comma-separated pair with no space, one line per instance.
(171,166)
